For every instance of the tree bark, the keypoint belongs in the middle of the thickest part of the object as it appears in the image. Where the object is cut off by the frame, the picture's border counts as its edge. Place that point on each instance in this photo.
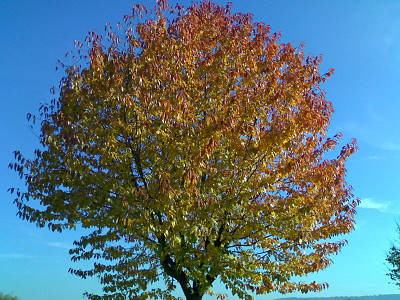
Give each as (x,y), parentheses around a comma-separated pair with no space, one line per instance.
(193,297)
(191,293)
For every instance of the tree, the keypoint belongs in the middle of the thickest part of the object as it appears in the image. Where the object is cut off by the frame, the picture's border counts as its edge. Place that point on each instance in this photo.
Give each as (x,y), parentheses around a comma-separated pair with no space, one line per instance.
(393,258)
(193,145)
(8,297)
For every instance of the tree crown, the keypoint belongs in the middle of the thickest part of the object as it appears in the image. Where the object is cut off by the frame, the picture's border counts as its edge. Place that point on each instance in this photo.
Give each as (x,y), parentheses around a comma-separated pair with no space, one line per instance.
(193,144)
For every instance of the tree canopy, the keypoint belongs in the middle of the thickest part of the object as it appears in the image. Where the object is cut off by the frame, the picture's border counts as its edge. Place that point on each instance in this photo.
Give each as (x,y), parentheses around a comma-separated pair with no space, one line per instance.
(8,297)
(192,144)
(393,258)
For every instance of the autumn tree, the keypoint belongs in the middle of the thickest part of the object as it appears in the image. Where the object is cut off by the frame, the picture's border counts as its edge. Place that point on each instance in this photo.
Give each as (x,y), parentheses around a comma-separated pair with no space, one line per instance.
(192,144)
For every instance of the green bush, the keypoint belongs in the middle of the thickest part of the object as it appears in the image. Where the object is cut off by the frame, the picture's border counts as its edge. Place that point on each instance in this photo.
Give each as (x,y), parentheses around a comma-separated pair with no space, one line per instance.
(8,297)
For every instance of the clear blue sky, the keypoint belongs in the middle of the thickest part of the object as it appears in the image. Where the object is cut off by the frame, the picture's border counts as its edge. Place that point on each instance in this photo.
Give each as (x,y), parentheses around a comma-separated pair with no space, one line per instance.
(359,38)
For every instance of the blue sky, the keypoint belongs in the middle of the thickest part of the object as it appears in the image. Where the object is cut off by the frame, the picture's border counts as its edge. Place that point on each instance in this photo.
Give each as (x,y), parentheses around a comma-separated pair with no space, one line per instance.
(359,38)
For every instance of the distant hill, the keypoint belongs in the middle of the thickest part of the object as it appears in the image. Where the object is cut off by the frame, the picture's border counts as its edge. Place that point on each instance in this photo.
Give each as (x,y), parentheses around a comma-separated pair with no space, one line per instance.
(377,297)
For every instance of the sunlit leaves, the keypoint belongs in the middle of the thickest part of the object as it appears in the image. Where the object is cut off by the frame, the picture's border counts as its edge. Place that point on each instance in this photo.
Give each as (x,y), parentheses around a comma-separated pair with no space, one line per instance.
(193,144)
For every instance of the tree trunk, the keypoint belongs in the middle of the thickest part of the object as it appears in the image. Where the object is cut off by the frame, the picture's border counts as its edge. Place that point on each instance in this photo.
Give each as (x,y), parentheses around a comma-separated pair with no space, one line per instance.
(191,292)
(170,267)
(193,297)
